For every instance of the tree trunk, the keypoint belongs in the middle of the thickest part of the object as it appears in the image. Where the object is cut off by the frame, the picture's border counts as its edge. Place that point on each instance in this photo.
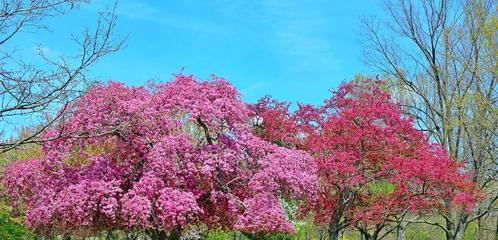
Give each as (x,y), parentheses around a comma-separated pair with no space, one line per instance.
(254,236)
(455,232)
(174,235)
(334,231)
(162,235)
(159,235)
(459,234)
(335,222)
(400,231)
(364,236)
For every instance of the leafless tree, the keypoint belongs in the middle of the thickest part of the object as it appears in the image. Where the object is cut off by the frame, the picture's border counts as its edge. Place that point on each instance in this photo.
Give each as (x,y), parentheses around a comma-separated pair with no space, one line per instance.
(442,58)
(40,93)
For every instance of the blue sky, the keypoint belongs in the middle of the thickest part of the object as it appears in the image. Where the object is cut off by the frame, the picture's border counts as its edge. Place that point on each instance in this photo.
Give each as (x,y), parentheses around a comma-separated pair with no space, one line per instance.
(293,50)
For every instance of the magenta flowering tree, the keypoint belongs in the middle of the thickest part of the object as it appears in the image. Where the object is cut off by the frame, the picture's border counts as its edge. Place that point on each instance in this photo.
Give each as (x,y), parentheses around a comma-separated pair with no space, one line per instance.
(159,160)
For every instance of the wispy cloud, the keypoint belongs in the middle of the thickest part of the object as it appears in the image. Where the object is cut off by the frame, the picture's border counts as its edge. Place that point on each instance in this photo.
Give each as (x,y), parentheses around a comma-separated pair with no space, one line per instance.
(251,88)
(166,17)
(295,30)
(296,34)
(292,28)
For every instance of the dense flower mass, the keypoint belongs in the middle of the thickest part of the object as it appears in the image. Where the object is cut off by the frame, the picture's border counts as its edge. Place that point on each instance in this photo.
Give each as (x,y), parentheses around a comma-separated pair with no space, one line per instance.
(160,159)
(189,152)
(373,165)
(380,164)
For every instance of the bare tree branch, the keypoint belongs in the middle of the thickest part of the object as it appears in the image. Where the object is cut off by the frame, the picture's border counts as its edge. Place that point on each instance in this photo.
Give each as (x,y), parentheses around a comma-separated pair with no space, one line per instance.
(441,57)
(29,91)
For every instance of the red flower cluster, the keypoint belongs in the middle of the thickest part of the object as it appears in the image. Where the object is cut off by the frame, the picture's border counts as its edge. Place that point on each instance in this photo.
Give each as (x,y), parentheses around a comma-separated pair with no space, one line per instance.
(373,165)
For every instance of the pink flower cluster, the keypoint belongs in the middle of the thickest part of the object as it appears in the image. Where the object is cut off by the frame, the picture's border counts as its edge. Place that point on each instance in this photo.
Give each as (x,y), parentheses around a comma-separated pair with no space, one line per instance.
(264,215)
(159,158)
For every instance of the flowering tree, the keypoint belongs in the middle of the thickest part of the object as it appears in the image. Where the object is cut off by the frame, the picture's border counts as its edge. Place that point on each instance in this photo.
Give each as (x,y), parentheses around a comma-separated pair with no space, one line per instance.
(273,122)
(374,167)
(159,160)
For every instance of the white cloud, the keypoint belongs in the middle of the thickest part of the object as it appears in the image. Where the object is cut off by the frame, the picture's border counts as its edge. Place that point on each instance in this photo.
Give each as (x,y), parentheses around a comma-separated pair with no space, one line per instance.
(251,88)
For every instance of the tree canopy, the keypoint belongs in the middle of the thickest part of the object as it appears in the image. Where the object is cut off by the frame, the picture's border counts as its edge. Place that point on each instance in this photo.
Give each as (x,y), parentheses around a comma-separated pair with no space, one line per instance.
(374,167)
(159,159)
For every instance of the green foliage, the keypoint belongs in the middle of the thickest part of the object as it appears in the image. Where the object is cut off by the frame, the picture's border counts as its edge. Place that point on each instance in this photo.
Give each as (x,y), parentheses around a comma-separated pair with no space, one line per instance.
(224,235)
(351,235)
(423,232)
(416,234)
(26,152)
(381,187)
(219,235)
(306,229)
(11,228)
(471,232)
(279,237)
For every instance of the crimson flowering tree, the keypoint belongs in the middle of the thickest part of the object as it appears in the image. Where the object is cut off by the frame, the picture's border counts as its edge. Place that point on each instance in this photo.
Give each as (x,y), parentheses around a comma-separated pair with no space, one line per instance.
(159,160)
(374,167)
(273,122)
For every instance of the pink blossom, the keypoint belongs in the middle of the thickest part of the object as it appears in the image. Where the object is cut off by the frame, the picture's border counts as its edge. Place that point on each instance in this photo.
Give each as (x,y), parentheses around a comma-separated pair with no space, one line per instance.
(159,158)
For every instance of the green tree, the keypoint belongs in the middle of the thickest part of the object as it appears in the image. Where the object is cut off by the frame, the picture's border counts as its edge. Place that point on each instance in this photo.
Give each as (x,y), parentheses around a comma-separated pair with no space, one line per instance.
(12,228)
